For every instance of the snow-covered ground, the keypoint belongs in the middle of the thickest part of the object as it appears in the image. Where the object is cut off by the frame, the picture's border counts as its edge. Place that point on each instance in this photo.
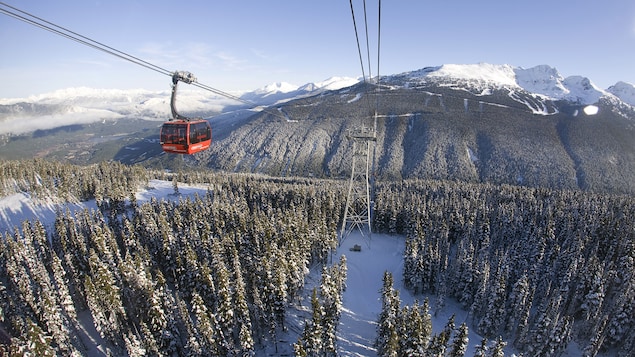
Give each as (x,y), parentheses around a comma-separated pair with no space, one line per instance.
(19,207)
(361,299)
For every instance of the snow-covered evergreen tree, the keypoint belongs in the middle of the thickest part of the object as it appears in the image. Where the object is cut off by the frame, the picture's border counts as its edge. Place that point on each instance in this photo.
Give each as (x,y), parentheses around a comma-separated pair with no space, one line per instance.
(460,342)
(481,349)
(495,312)
(413,332)
(311,341)
(387,342)
(497,349)
(439,342)
(331,296)
(36,342)
(206,327)
(244,338)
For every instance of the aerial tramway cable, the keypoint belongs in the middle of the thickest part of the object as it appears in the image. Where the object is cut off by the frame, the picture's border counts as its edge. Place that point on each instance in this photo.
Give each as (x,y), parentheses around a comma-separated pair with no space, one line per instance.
(370,74)
(366,80)
(74,36)
(84,40)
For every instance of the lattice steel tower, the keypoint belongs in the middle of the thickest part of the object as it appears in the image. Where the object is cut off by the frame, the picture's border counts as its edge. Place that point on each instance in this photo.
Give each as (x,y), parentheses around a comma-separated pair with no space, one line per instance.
(358,204)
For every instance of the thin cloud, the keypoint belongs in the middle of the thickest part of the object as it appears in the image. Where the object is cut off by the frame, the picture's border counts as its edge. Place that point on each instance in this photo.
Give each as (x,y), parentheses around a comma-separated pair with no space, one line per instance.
(102,64)
(231,62)
(193,54)
(263,55)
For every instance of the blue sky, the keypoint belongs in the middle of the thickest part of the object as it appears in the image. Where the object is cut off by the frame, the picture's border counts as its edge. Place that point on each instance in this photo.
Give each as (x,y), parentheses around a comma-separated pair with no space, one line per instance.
(247,44)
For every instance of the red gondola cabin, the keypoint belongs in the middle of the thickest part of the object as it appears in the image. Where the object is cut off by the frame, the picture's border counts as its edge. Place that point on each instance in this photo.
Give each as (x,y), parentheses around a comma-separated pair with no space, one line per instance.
(185,137)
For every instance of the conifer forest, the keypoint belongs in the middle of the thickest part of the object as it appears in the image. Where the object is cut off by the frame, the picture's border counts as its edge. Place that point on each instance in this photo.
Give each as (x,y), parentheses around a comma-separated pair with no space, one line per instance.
(213,274)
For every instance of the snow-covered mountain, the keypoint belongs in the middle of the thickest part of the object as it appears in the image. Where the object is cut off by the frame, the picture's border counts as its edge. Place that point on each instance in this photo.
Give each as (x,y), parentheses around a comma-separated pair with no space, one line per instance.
(542,80)
(474,123)
(282,91)
(624,91)
(85,105)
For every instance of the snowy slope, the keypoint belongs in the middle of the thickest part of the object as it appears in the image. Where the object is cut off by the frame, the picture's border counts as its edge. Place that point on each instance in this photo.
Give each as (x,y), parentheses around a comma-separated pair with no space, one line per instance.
(624,91)
(541,80)
(362,300)
(282,91)
(19,207)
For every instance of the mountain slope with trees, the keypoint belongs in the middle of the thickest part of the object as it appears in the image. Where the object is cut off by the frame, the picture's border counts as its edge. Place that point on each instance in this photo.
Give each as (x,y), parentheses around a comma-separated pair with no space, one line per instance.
(435,132)
(473,123)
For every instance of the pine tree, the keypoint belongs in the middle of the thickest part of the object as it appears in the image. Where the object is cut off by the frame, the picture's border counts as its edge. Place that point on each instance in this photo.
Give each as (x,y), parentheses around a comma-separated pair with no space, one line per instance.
(387,342)
(243,320)
(36,342)
(331,294)
(426,320)
(460,342)
(310,342)
(175,186)
(342,273)
(624,317)
(481,349)
(411,273)
(495,312)
(134,345)
(150,344)
(298,350)
(498,348)
(466,273)
(413,335)
(104,299)
(594,299)
(224,311)
(520,303)
(192,346)
(206,327)
(597,338)
(439,342)
(479,306)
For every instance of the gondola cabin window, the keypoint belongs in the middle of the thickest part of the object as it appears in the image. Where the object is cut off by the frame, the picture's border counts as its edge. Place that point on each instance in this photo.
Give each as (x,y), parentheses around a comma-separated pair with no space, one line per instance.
(200,132)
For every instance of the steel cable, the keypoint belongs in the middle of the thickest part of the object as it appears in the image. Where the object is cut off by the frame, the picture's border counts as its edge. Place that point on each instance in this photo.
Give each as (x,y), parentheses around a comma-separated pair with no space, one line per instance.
(74,36)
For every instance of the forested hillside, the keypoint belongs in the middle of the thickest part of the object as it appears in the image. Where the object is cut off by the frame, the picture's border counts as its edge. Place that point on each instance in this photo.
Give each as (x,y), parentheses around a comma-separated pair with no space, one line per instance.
(539,267)
(439,128)
(205,276)
(431,131)
(213,274)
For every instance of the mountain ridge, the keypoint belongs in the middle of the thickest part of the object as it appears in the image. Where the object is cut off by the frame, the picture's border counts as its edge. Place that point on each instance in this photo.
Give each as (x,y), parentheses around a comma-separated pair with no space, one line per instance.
(473,123)
(442,127)
(543,80)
